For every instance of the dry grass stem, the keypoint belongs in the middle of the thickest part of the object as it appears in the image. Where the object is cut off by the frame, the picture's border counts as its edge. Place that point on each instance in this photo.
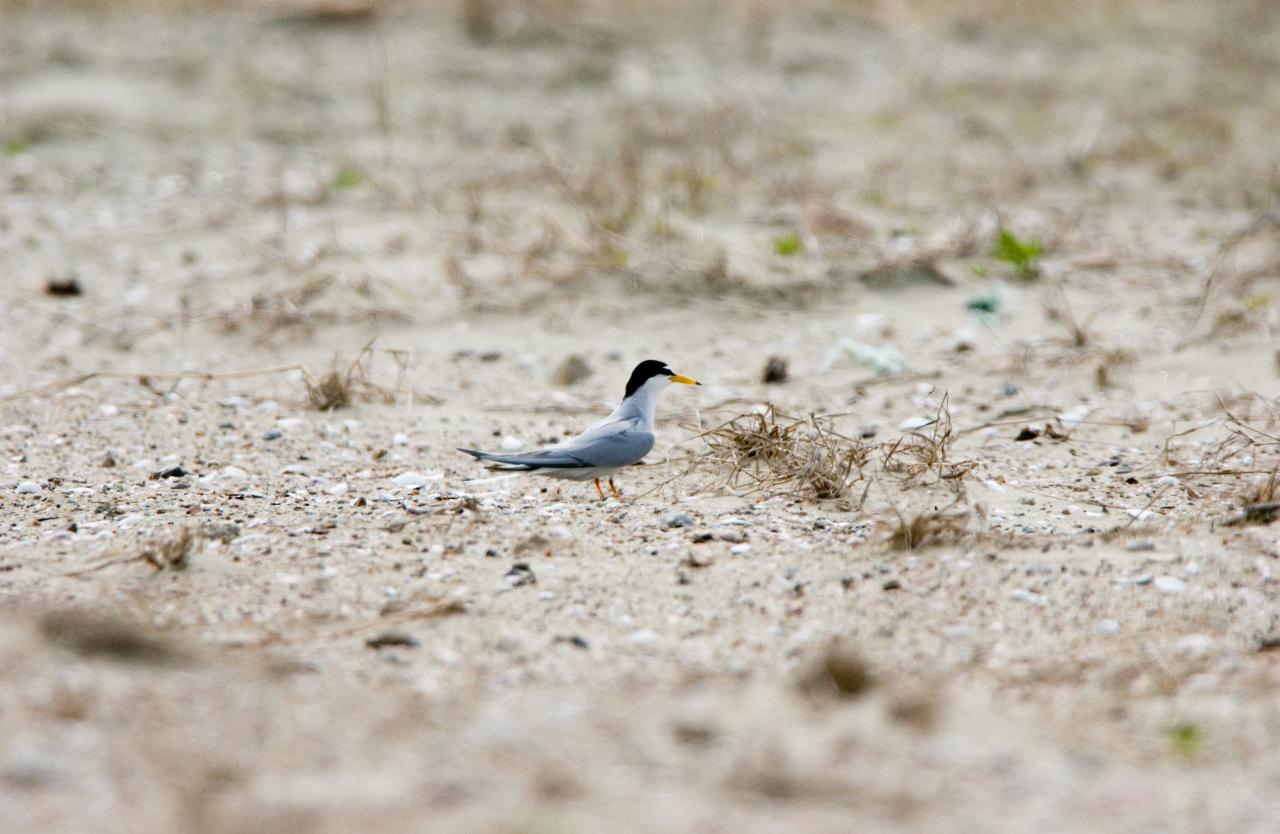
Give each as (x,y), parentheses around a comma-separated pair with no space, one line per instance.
(917,452)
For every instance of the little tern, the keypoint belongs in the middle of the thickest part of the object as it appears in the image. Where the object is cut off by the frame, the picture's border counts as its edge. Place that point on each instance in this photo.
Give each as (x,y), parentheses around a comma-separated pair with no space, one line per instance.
(621,439)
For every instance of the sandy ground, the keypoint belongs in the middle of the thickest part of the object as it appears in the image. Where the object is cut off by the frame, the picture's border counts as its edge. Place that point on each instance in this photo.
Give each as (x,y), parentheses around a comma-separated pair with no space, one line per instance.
(364,630)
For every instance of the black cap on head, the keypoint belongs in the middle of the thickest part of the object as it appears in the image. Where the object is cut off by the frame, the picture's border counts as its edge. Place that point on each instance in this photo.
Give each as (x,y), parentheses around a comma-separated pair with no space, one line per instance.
(644,372)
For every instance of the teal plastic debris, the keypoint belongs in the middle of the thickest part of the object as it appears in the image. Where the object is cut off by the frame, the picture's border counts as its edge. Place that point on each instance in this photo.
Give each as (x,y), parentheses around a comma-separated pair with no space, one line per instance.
(987,306)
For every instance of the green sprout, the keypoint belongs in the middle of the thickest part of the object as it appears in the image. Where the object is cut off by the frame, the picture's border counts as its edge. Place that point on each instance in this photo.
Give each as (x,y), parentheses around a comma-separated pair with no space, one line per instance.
(1186,739)
(348,177)
(15,147)
(1022,255)
(788,244)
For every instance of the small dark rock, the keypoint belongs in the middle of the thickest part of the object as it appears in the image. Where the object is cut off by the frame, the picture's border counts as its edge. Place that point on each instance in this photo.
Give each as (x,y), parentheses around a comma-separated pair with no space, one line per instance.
(171,472)
(63,287)
(1268,643)
(891,585)
(273,434)
(392,638)
(521,574)
(775,370)
(1027,433)
(574,640)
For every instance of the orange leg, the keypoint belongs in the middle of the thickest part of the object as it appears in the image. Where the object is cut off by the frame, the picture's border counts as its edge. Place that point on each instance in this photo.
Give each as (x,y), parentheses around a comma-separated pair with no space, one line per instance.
(599,490)
(616,492)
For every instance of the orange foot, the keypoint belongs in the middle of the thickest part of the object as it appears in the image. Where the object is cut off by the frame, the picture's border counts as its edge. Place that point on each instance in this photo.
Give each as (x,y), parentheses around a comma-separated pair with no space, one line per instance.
(616,492)
(600,491)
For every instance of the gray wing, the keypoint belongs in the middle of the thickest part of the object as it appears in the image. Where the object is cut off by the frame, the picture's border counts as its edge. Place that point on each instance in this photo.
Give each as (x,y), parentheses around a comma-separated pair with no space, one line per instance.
(604,450)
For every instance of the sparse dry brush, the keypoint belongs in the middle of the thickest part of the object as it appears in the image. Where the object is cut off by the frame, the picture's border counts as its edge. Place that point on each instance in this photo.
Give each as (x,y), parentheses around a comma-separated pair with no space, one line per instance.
(920,452)
(342,387)
(927,528)
(769,452)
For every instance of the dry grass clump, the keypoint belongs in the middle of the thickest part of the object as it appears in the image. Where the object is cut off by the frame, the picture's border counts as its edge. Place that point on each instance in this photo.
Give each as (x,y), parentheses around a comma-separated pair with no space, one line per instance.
(1245,464)
(1259,500)
(99,634)
(341,387)
(767,451)
(173,552)
(917,453)
(927,529)
(165,552)
(840,672)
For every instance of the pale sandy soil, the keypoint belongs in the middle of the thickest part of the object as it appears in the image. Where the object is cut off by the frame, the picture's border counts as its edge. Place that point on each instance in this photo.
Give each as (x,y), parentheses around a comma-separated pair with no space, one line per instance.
(1093,648)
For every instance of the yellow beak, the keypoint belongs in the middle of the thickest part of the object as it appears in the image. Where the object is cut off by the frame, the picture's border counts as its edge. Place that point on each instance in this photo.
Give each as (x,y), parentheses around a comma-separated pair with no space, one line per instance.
(684,380)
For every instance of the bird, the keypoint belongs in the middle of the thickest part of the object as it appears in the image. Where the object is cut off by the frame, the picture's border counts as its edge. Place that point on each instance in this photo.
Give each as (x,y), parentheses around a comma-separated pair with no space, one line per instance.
(621,439)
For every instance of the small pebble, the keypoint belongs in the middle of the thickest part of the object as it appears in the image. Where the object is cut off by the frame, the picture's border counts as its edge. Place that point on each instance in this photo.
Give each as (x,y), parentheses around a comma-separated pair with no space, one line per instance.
(1195,644)
(642,637)
(1170,584)
(28,488)
(1140,545)
(674,519)
(511,444)
(1029,597)
(697,559)
(410,480)
(1106,628)
(400,439)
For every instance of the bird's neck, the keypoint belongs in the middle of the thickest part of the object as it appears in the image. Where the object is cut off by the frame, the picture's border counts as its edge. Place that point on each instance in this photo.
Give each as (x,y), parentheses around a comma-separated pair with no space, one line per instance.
(640,407)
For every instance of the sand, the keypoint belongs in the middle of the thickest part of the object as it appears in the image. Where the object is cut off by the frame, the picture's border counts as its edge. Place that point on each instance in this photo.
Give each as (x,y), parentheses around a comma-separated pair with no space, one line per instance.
(364,630)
